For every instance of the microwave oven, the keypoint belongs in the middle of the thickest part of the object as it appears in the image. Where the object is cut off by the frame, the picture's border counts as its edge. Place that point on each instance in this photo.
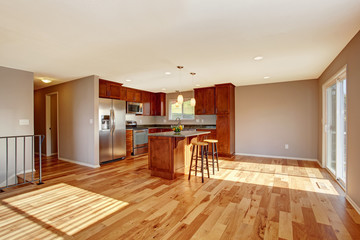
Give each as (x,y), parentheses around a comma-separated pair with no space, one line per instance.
(134,107)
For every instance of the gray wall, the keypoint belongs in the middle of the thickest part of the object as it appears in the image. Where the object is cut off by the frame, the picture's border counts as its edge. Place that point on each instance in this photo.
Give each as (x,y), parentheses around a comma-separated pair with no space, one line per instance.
(268,116)
(16,102)
(349,56)
(78,106)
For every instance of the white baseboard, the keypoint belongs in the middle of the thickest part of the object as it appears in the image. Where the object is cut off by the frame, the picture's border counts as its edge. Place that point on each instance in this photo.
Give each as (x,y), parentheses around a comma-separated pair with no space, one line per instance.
(281,157)
(80,163)
(355,206)
(42,154)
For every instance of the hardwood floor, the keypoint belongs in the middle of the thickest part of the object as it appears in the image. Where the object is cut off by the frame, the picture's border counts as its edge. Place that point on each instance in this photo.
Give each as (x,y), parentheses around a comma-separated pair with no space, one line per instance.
(250,198)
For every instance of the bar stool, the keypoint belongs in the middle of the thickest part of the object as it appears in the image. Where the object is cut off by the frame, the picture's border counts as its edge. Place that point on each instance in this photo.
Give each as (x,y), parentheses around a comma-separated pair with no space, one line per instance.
(214,151)
(202,147)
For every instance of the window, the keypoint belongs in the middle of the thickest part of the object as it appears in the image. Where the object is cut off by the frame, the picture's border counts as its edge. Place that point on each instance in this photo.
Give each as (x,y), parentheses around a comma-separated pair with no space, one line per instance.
(183,111)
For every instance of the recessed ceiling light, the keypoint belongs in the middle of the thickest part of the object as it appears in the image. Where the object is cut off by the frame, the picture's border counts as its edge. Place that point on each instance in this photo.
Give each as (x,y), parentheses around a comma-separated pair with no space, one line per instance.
(167,73)
(128,80)
(163,89)
(258,58)
(197,85)
(46,80)
(267,77)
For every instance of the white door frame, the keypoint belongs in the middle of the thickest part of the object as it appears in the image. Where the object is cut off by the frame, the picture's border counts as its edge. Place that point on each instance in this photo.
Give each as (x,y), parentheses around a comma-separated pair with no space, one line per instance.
(328,83)
(48,122)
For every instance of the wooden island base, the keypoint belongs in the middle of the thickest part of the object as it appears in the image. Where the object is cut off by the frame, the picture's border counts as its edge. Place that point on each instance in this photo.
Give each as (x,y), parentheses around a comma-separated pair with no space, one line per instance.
(170,156)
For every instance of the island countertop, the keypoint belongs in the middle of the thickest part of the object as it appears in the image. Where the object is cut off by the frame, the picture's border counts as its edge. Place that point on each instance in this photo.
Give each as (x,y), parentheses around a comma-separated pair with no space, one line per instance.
(182,134)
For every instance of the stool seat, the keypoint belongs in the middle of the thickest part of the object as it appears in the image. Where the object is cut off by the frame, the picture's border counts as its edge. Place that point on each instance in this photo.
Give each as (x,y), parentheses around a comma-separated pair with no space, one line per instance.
(211,140)
(200,144)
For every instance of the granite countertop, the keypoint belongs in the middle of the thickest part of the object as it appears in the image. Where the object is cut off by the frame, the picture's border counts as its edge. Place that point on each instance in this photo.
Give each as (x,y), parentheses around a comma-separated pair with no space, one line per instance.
(182,134)
(186,127)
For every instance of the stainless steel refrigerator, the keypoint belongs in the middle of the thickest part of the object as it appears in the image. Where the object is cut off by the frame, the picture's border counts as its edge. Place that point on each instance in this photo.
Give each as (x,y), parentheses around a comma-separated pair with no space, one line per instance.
(112,129)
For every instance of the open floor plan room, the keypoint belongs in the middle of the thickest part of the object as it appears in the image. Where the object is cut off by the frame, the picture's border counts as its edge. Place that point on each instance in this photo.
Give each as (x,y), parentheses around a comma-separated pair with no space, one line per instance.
(160,119)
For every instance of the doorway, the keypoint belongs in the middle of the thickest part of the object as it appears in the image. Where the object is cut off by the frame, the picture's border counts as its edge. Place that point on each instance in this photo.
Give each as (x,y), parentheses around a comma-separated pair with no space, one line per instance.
(52,124)
(335,126)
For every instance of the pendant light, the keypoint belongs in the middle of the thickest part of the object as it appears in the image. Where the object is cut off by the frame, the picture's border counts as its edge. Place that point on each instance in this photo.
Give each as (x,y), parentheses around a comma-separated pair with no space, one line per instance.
(180,98)
(193,101)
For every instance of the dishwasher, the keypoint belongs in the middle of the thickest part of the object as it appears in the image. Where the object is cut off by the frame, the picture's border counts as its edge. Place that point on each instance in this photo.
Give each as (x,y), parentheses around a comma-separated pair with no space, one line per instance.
(140,145)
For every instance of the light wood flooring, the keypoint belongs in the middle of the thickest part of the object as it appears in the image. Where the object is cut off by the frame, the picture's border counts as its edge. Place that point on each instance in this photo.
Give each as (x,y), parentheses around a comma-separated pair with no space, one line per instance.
(249,198)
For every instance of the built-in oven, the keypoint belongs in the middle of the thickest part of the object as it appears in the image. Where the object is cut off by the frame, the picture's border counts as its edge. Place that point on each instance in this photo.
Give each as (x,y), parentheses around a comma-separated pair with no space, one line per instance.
(134,107)
(140,144)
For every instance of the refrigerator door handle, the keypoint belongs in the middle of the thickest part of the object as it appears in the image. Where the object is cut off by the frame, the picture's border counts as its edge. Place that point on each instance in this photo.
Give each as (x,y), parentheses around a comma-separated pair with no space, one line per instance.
(112,121)
(113,115)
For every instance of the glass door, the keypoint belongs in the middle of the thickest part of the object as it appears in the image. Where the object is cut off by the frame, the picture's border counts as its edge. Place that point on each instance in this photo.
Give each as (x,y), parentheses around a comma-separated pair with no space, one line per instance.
(330,128)
(336,127)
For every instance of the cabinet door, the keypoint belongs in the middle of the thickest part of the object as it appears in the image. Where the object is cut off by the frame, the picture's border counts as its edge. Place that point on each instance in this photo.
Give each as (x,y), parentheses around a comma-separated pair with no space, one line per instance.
(199,97)
(223,133)
(153,102)
(114,90)
(161,104)
(222,99)
(146,99)
(130,95)
(209,101)
(103,89)
(123,93)
(129,142)
(137,96)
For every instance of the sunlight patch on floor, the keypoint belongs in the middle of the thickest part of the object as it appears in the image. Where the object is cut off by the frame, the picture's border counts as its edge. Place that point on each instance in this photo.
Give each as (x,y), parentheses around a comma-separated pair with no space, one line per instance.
(56,211)
(273,175)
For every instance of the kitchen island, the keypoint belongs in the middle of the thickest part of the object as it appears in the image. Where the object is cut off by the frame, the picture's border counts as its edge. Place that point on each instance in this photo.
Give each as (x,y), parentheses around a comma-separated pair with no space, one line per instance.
(170,153)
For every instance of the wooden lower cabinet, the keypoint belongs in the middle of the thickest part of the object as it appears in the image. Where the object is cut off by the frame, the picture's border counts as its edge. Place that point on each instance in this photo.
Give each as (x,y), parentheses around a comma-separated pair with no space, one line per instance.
(169,157)
(129,142)
(225,135)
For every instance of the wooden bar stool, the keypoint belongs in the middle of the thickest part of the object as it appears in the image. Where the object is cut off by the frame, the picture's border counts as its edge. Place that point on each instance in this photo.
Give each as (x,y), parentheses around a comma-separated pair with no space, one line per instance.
(214,151)
(202,147)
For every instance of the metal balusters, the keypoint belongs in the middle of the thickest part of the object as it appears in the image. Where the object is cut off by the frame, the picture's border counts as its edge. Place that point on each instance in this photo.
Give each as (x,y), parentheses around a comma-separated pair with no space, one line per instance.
(9,165)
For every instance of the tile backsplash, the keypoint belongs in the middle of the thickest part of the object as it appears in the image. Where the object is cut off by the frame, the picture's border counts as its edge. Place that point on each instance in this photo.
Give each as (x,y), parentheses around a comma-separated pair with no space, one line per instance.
(147,120)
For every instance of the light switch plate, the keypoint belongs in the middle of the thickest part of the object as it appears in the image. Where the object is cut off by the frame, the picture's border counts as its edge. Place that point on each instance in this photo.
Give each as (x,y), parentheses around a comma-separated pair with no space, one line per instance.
(24,122)
(91,121)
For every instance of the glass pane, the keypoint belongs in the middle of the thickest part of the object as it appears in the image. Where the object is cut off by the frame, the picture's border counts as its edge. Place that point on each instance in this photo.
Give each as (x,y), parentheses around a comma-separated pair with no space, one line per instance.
(331,128)
(175,111)
(189,111)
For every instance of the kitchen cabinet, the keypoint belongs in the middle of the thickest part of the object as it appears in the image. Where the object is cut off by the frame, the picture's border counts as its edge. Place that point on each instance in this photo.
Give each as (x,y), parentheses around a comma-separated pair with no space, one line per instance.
(146,100)
(123,92)
(205,101)
(158,104)
(133,95)
(223,98)
(109,89)
(129,142)
(225,118)
(154,104)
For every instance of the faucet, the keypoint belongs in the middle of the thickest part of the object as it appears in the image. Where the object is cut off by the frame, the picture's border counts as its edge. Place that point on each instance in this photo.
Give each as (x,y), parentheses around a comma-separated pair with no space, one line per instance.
(179,121)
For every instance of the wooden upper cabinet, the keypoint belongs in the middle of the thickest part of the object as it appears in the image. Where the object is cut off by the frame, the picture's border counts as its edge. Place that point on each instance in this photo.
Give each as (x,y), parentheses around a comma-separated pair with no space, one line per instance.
(146,100)
(153,102)
(133,95)
(123,92)
(109,89)
(205,101)
(161,104)
(103,88)
(223,97)
(114,90)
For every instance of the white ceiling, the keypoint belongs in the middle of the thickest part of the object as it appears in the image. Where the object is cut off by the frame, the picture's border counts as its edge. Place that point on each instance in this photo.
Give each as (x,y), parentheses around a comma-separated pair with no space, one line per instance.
(141,39)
